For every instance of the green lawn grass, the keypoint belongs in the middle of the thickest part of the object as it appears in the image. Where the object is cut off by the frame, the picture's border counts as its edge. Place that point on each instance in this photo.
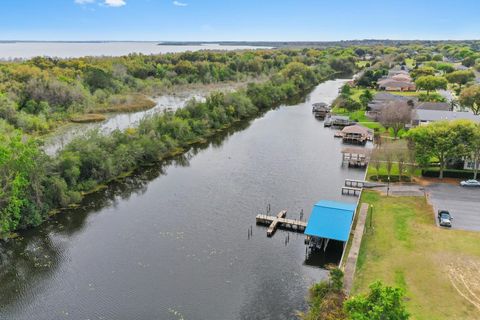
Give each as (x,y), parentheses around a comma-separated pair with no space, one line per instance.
(371,171)
(357,91)
(403,246)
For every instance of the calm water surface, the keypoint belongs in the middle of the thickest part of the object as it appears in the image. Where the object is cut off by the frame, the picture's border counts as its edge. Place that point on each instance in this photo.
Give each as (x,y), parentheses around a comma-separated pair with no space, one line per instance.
(26,50)
(171,242)
(120,121)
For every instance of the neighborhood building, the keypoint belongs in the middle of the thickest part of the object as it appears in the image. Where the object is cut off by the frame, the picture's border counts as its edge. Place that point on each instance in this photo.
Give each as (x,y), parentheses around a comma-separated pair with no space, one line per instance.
(421,117)
(382,99)
(469,164)
(398,79)
(439,106)
(396,85)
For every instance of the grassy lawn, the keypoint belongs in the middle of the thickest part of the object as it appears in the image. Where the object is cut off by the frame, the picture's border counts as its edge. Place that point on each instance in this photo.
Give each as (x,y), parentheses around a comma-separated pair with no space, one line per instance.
(356,92)
(407,93)
(371,171)
(360,117)
(438,268)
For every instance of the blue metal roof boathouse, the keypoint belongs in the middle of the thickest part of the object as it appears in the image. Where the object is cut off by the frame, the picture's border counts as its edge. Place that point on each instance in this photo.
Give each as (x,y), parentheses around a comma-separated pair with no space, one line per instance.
(329,220)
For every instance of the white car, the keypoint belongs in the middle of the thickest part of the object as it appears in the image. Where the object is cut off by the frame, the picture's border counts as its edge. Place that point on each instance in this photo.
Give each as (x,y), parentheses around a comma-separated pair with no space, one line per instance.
(470,183)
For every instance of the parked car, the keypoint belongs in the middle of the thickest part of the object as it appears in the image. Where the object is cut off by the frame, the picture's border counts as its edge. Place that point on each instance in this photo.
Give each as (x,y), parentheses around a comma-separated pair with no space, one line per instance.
(470,183)
(444,218)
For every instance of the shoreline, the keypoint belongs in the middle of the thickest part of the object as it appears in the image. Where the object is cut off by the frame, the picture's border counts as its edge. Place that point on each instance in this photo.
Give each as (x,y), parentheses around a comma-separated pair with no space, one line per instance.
(172,153)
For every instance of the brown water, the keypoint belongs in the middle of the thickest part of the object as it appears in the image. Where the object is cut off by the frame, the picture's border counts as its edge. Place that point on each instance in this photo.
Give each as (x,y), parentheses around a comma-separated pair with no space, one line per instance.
(172,241)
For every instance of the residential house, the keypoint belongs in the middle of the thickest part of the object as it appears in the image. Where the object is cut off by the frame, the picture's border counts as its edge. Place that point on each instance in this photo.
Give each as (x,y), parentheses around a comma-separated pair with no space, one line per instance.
(421,117)
(391,84)
(382,99)
(439,106)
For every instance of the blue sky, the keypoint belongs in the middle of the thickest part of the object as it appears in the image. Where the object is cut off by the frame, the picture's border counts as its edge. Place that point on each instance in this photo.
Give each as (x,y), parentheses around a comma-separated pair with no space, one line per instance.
(212,20)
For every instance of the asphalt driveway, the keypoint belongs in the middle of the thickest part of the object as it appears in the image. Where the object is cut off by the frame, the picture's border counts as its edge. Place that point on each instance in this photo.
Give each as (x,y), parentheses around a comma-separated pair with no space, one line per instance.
(463,203)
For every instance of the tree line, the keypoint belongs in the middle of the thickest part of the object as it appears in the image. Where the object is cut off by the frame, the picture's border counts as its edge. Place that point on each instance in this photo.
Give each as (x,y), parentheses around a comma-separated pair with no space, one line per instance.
(444,142)
(34,184)
(38,94)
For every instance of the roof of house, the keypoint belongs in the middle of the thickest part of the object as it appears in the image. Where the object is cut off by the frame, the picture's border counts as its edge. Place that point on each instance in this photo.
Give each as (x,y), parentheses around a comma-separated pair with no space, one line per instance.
(356,128)
(385,96)
(331,220)
(392,73)
(402,77)
(381,100)
(441,106)
(320,106)
(346,118)
(391,83)
(438,115)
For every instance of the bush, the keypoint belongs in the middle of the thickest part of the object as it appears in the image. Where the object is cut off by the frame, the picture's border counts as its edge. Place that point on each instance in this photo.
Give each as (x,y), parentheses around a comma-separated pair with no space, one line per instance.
(381,303)
(432,97)
(448,173)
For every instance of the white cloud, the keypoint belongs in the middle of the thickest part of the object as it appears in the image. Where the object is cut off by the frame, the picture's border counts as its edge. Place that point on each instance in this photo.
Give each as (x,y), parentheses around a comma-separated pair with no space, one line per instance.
(115,3)
(180,4)
(108,3)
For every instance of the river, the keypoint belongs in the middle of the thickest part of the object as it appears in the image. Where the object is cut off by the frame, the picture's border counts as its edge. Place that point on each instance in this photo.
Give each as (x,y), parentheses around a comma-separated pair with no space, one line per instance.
(27,50)
(119,121)
(171,242)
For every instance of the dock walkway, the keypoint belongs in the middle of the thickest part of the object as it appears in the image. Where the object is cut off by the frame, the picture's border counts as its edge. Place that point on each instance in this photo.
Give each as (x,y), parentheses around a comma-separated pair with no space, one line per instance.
(280,220)
(351,263)
(351,191)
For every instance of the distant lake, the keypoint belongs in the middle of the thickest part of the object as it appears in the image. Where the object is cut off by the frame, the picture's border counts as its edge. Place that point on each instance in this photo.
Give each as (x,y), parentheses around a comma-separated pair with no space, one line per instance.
(26,50)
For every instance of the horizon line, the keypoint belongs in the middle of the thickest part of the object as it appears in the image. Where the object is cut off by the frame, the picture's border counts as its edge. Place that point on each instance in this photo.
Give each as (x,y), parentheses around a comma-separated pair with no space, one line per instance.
(238,41)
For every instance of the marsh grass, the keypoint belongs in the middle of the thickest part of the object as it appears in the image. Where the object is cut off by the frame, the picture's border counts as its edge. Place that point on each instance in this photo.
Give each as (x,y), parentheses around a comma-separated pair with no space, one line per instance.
(87,118)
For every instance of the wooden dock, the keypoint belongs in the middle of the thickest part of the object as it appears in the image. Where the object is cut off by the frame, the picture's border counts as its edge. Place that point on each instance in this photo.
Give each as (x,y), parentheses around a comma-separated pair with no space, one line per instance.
(356,157)
(350,191)
(280,221)
(355,183)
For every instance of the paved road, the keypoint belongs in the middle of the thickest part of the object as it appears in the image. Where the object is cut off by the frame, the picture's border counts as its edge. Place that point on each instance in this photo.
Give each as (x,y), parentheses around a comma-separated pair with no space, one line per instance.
(463,203)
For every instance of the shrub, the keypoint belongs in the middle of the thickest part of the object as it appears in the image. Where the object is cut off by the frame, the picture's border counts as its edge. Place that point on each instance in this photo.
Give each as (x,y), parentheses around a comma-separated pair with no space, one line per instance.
(448,173)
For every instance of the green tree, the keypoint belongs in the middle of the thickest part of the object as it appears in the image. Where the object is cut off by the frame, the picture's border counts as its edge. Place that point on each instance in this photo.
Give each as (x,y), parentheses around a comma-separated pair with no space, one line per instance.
(430,83)
(460,77)
(474,149)
(381,303)
(21,177)
(445,67)
(346,91)
(395,116)
(365,98)
(470,97)
(97,78)
(441,141)
(423,71)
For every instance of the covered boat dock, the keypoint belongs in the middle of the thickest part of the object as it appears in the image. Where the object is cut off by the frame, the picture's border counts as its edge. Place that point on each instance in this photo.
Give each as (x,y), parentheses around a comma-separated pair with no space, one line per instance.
(329,220)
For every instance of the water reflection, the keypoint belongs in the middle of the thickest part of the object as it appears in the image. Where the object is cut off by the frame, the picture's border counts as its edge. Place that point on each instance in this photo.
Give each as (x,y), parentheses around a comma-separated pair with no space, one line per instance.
(174,236)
